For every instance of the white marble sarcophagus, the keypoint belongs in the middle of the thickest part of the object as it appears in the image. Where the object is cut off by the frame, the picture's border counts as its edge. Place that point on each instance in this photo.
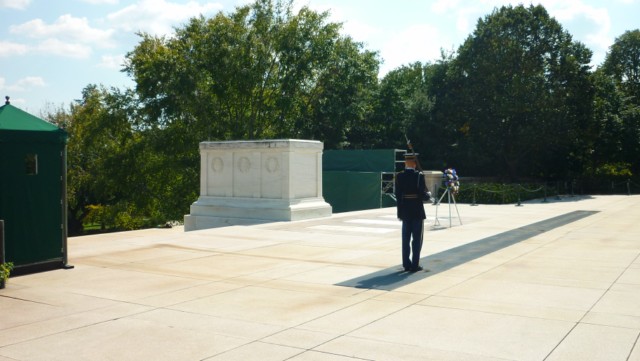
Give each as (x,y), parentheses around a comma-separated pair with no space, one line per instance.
(251,182)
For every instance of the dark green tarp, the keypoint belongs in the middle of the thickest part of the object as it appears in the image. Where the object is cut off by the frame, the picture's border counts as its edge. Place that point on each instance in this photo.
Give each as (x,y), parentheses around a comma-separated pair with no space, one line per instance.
(351,191)
(352,180)
(374,160)
(32,182)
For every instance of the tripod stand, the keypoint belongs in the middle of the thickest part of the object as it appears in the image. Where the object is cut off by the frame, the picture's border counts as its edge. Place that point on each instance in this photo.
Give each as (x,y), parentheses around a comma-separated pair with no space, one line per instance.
(450,196)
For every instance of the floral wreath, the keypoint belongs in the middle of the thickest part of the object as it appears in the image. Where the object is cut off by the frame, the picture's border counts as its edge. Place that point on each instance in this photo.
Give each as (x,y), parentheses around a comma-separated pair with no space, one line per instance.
(451,180)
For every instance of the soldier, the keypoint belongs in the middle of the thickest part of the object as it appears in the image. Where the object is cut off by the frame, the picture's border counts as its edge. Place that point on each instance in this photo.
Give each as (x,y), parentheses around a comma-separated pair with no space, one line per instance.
(410,187)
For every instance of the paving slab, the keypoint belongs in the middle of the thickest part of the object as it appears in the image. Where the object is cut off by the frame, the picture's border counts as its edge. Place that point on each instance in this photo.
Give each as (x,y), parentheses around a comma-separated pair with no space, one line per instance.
(555,280)
(596,342)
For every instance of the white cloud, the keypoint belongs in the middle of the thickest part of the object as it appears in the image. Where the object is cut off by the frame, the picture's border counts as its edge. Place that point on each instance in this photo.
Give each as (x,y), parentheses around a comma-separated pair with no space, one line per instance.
(99,2)
(444,6)
(60,48)
(467,19)
(593,22)
(23,84)
(8,48)
(28,83)
(244,2)
(360,31)
(67,36)
(15,4)
(67,28)
(158,17)
(114,62)
(412,44)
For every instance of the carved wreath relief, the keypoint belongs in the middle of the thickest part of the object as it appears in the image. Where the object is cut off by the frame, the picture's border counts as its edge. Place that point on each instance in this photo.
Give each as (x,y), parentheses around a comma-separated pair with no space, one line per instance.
(272,165)
(217,165)
(244,164)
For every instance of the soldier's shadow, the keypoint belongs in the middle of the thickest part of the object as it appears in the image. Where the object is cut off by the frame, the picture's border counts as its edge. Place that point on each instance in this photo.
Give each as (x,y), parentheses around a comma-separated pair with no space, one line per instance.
(386,279)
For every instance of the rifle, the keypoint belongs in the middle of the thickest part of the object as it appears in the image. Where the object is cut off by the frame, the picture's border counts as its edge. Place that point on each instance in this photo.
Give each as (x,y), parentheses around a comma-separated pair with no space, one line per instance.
(410,146)
(427,195)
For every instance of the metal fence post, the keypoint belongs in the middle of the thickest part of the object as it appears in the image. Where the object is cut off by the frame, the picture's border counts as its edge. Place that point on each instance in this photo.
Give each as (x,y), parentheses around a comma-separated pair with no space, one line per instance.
(475,186)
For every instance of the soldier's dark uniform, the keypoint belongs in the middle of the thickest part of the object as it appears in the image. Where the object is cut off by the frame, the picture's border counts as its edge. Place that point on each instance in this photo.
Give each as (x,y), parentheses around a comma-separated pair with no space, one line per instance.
(410,186)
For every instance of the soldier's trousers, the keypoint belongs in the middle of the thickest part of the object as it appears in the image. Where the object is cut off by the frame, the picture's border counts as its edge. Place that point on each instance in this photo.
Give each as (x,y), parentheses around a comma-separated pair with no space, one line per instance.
(411,241)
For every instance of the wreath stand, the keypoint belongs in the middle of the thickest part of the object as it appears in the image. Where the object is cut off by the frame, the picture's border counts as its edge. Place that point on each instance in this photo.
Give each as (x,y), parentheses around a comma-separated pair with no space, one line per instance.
(450,197)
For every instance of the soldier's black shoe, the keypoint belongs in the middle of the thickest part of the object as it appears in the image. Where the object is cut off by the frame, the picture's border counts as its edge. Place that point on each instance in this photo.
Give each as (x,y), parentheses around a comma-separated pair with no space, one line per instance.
(416,269)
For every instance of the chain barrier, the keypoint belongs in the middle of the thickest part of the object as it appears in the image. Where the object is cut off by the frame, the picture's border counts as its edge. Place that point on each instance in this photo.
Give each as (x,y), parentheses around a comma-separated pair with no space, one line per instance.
(627,185)
(569,187)
(528,191)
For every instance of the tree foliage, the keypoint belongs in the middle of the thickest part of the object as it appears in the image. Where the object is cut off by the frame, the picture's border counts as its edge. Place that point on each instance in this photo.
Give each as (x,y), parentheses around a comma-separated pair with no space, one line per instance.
(523,94)
(98,155)
(260,72)
(622,67)
(623,62)
(403,110)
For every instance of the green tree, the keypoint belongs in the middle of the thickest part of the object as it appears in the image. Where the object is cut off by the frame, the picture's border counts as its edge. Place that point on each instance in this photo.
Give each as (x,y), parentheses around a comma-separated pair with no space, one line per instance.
(259,72)
(403,107)
(437,129)
(608,101)
(520,96)
(101,154)
(338,108)
(622,63)
(622,66)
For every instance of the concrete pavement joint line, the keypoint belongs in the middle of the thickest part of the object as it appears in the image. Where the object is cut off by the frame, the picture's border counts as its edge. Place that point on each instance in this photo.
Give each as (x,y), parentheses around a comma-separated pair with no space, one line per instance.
(591,308)
(301,325)
(25,300)
(633,347)
(392,278)
(67,330)
(562,339)
(347,334)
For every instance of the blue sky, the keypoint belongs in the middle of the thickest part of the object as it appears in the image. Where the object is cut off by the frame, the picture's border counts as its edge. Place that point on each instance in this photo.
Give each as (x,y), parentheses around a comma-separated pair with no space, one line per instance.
(50,50)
